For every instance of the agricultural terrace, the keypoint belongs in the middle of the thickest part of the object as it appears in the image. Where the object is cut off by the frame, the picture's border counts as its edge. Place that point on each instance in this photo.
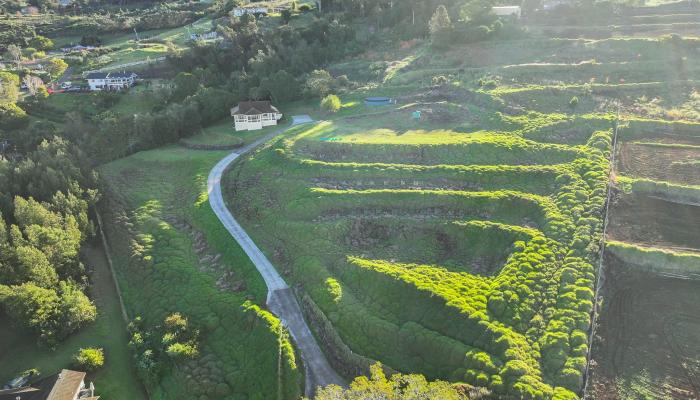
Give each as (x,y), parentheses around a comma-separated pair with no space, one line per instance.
(646,345)
(460,255)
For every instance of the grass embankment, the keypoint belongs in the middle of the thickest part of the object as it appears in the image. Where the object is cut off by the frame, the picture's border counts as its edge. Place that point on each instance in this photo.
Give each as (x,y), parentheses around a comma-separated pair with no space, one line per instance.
(662,261)
(117,378)
(173,255)
(223,135)
(665,190)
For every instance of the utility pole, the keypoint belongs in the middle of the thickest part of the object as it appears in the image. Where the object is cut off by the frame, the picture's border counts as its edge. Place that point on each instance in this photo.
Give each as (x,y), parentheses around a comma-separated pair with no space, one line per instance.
(137,35)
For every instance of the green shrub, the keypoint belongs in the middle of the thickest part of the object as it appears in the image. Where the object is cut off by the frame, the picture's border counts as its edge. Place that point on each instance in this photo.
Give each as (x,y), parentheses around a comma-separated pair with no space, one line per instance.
(89,359)
(573,102)
(331,103)
(439,80)
(182,350)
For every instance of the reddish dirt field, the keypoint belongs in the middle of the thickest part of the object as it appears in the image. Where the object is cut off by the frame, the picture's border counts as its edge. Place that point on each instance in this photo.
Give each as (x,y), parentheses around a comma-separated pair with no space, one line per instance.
(659,163)
(648,344)
(650,221)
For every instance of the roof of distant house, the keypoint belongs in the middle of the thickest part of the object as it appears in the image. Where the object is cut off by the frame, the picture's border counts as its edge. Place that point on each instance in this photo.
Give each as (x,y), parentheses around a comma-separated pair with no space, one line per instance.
(505,9)
(62,386)
(253,108)
(111,75)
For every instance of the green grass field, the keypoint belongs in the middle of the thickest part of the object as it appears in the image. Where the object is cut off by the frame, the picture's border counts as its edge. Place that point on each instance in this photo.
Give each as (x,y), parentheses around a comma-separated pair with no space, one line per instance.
(223,134)
(151,45)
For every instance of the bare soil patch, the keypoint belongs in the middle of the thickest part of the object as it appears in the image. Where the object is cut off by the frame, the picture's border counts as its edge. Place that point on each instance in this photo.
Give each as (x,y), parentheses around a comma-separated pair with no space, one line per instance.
(648,344)
(660,163)
(654,222)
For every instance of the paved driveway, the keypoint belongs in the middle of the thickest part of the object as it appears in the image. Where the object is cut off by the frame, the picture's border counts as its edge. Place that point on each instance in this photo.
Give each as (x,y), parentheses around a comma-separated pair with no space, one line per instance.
(280,297)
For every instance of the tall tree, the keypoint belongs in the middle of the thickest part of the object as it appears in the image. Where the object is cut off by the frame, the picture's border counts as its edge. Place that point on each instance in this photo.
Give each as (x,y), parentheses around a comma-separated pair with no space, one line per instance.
(56,67)
(440,20)
(398,387)
(15,53)
(9,87)
(440,27)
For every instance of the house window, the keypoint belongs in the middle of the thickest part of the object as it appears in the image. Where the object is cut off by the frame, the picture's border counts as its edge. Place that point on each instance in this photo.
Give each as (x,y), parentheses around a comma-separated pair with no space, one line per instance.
(240,118)
(254,118)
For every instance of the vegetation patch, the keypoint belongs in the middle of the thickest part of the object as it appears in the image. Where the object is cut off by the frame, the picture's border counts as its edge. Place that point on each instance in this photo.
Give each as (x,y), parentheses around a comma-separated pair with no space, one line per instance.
(153,229)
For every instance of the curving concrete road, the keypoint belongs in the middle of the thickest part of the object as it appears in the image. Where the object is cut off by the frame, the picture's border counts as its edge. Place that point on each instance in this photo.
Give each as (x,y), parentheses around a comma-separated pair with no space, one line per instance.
(280,297)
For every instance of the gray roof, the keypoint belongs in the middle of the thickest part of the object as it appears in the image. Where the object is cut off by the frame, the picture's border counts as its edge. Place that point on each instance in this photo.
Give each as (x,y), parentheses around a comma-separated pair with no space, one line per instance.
(61,386)
(253,108)
(111,75)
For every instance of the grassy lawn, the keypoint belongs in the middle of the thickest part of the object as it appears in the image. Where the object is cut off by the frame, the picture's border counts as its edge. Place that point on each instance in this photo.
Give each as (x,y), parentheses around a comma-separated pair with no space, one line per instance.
(117,379)
(136,100)
(223,134)
(67,102)
(128,50)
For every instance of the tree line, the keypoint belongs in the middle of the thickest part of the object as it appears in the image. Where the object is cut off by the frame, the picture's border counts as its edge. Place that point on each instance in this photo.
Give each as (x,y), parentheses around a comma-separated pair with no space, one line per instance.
(43,223)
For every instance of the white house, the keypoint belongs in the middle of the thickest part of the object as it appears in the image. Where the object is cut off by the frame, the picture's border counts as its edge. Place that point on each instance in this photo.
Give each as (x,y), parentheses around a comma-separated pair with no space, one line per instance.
(252,115)
(240,11)
(111,80)
(507,11)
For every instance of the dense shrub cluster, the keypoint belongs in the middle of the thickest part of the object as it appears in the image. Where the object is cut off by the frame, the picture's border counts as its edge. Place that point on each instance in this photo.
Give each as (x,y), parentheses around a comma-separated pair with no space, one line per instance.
(161,345)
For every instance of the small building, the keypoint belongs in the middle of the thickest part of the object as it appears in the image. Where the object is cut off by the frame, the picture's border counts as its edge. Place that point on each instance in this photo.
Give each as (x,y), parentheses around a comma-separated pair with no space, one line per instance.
(29,10)
(252,115)
(66,385)
(111,80)
(240,11)
(507,11)
(550,5)
(77,47)
(205,36)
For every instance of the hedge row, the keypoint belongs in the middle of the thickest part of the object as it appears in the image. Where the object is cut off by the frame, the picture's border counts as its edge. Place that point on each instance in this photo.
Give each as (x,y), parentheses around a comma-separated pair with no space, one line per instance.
(666,190)
(663,261)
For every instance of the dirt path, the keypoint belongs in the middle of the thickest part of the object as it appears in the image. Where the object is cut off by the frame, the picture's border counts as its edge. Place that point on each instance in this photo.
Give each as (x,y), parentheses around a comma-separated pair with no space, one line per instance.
(280,298)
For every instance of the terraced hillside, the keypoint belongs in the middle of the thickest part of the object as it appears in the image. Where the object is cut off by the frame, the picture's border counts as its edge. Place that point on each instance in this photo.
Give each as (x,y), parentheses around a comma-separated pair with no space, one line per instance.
(465,245)
(461,255)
